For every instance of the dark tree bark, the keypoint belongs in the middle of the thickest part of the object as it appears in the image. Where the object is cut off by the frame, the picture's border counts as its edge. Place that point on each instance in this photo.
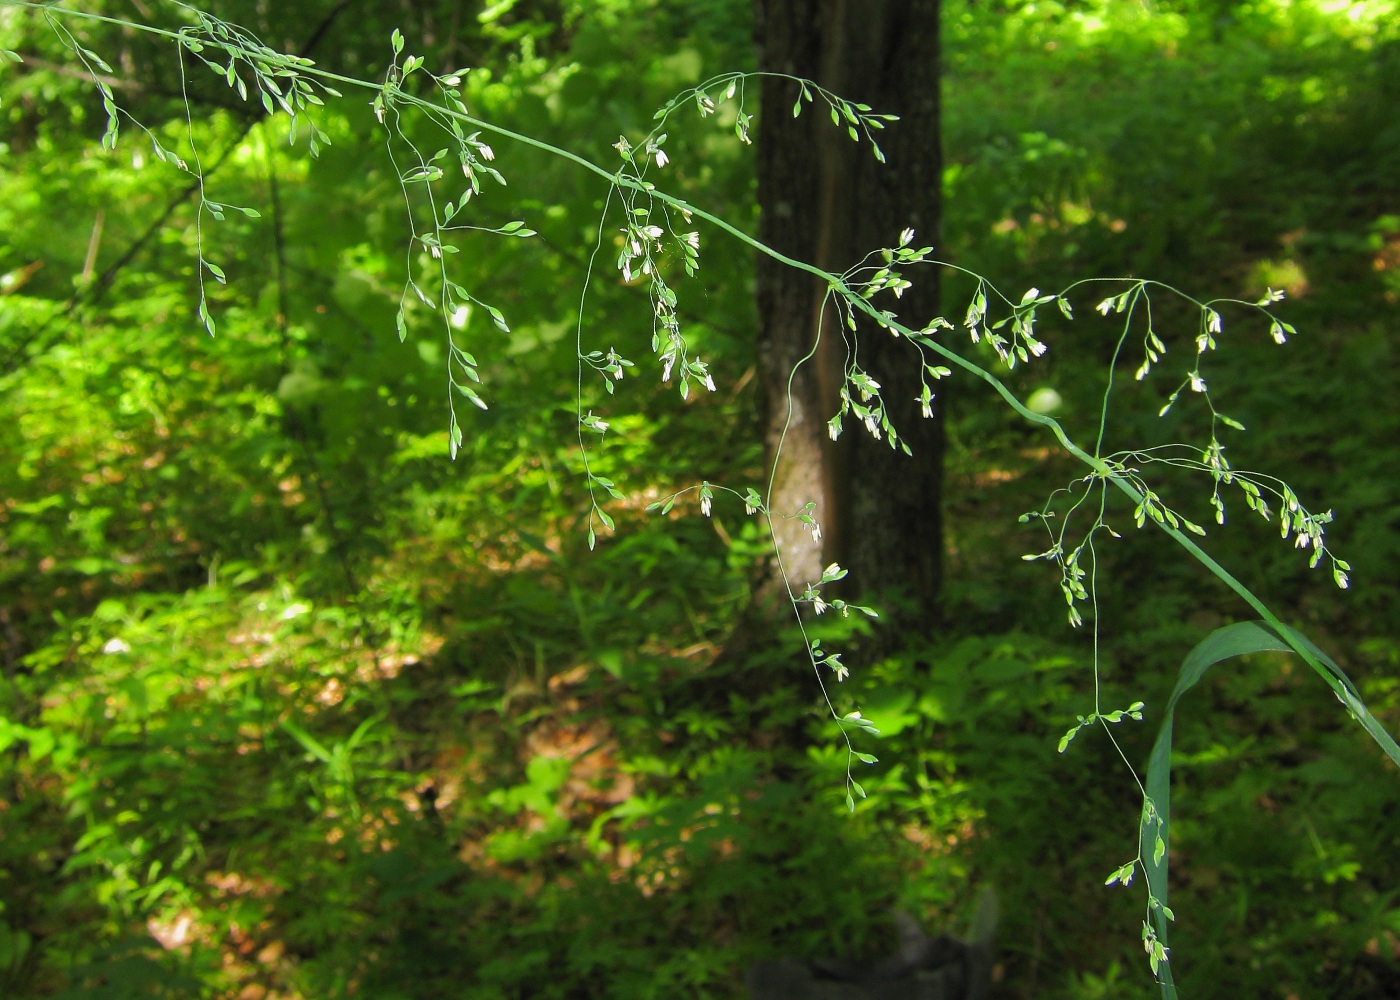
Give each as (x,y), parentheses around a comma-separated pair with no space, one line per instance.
(826,200)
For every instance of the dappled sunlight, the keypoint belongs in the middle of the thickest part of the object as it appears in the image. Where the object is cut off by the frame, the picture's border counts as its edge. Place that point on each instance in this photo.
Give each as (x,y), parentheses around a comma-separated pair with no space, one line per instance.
(1287,275)
(332,666)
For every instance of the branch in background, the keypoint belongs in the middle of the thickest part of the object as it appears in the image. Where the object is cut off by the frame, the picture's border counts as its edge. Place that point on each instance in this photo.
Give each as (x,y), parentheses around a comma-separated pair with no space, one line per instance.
(93,293)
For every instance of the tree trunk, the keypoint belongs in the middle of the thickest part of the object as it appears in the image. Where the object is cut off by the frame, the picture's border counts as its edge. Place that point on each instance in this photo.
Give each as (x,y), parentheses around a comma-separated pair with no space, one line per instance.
(826,199)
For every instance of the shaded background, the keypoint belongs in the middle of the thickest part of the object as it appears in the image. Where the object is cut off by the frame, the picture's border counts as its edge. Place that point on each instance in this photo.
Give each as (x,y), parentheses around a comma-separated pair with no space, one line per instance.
(292,706)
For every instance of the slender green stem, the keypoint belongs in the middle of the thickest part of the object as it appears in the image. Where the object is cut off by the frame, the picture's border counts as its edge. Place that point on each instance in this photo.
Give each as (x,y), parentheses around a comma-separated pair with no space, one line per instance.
(1099,467)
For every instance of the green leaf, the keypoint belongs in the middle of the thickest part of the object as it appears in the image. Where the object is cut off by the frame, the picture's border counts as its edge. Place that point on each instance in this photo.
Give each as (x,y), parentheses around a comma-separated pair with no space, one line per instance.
(1226,643)
(41,742)
(309,743)
(396,39)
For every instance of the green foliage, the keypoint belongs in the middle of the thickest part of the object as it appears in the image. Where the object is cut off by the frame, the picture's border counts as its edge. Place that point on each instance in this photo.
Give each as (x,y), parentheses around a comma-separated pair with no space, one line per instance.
(290,704)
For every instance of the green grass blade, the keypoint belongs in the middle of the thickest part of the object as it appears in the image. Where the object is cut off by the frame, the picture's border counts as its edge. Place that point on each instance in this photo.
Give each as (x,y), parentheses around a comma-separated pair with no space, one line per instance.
(1225,643)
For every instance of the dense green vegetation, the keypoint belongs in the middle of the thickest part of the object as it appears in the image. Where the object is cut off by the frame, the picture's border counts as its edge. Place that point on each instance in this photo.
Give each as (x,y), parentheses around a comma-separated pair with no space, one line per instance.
(294,706)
